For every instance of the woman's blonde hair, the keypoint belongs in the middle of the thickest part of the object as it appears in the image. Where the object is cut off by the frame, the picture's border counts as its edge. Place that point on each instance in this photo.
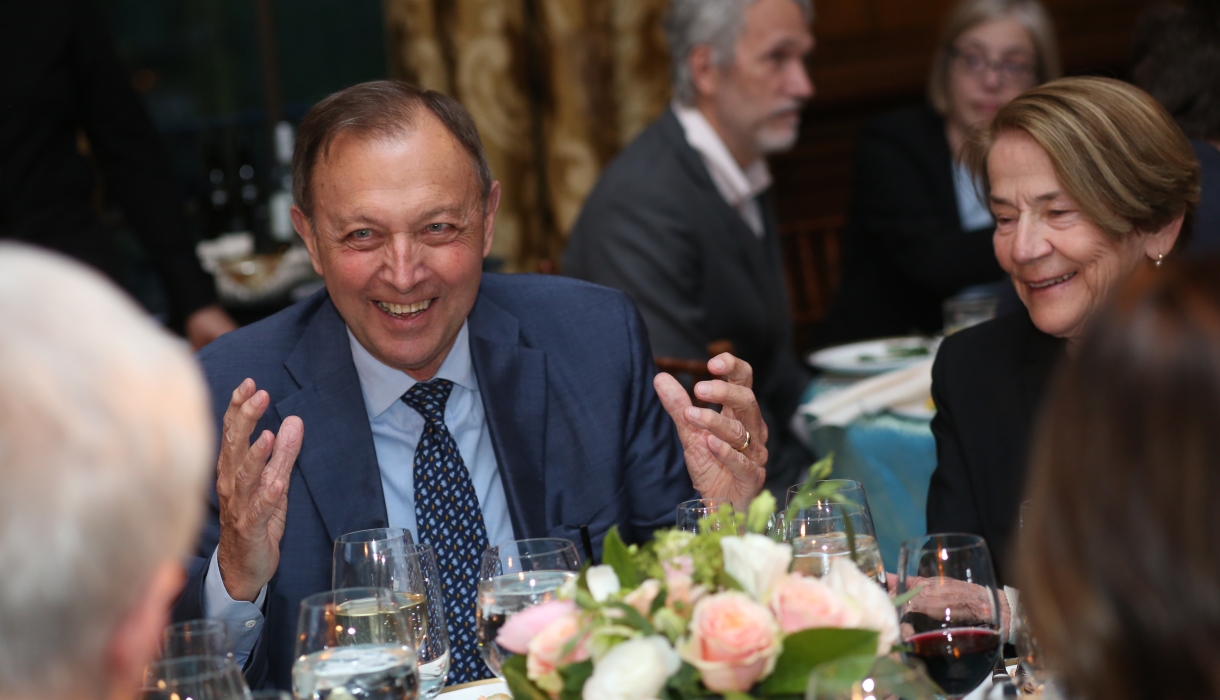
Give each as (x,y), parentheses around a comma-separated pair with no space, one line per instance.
(1116,152)
(968,14)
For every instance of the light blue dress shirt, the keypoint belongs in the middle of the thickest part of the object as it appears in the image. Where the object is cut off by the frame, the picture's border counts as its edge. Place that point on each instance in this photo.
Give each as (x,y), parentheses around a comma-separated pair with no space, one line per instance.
(971,208)
(397,429)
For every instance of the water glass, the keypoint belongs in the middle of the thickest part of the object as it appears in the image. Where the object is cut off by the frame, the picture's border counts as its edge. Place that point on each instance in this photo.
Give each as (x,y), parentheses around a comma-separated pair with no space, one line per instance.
(386,558)
(516,576)
(968,310)
(715,514)
(952,624)
(194,677)
(197,638)
(886,680)
(354,642)
(828,531)
(269,695)
(850,489)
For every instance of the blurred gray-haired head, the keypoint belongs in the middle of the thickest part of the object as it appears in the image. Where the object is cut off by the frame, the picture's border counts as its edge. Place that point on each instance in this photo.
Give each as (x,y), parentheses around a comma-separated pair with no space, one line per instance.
(714,23)
(105,448)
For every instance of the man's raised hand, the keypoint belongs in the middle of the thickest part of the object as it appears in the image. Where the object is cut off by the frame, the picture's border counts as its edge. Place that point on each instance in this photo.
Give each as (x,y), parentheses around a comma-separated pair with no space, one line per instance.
(252,488)
(720,462)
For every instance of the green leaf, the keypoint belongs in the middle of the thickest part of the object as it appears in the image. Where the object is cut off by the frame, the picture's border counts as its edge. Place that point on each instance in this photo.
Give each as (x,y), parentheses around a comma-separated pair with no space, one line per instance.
(761,510)
(616,554)
(685,684)
(634,618)
(519,684)
(574,677)
(731,695)
(805,649)
(901,600)
(839,676)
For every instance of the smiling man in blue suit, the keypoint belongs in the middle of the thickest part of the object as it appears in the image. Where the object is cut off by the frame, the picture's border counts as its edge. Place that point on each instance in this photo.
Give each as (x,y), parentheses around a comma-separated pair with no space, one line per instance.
(417,392)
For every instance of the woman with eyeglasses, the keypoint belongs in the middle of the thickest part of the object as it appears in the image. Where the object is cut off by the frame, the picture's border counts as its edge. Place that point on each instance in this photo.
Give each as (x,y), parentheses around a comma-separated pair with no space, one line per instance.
(917,232)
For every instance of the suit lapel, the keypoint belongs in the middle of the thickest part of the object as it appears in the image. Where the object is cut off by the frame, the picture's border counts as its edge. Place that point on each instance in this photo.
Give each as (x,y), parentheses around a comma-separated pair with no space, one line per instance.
(338,461)
(751,247)
(512,383)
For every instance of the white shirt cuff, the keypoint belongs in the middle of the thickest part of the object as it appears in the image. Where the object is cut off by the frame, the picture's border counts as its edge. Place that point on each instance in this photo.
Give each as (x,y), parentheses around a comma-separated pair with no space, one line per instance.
(245,619)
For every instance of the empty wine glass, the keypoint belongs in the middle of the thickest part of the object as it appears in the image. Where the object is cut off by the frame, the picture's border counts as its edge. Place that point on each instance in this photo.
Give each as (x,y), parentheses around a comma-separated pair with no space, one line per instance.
(952,622)
(194,677)
(386,558)
(828,531)
(714,513)
(516,576)
(197,638)
(354,642)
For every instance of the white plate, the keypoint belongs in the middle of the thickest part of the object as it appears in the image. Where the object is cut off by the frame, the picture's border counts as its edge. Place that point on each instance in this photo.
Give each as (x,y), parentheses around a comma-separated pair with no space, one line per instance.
(873,356)
(918,410)
(472,691)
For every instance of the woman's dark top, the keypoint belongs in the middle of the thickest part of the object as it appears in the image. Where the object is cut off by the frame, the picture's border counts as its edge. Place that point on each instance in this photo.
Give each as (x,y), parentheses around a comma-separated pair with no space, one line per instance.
(62,77)
(1206,235)
(987,383)
(904,250)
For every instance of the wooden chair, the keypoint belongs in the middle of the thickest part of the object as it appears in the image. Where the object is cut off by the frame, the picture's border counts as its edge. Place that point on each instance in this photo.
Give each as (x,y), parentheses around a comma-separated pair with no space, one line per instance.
(691,372)
(810,251)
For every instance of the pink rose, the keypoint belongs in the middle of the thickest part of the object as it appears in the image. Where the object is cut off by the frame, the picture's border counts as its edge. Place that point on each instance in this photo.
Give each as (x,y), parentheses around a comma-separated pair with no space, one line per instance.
(546,651)
(802,603)
(733,642)
(523,626)
(642,597)
(681,564)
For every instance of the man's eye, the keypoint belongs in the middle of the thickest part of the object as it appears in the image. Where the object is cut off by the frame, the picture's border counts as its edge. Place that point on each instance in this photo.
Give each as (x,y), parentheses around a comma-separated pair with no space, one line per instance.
(362,234)
(437,228)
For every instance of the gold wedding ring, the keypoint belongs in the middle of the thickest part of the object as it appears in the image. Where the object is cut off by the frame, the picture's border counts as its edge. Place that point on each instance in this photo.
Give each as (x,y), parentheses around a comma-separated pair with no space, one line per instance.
(745,444)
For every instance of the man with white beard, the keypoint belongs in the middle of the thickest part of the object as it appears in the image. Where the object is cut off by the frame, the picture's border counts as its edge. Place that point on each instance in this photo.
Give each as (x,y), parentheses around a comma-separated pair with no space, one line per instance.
(682,220)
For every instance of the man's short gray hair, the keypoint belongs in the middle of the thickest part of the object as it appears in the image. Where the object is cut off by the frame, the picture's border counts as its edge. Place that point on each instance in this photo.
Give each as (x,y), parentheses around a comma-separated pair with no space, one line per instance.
(714,23)
(105,447)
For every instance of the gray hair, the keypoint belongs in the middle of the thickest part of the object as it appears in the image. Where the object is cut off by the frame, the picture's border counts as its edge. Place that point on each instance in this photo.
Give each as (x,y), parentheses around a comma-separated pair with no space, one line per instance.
(714,23)
(105,448)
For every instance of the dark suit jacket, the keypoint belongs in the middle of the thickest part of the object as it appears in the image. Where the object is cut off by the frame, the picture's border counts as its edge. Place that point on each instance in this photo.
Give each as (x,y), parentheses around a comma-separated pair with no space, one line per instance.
(656,227)
(579,434)
(904,250)
(62,77)
(987,383)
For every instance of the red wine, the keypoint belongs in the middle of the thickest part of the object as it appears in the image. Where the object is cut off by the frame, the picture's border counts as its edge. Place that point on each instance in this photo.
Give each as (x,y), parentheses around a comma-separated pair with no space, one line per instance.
(958,659)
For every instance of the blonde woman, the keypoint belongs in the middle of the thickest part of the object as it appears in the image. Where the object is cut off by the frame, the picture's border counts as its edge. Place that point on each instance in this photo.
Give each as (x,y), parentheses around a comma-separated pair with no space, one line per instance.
(1089,180)
(917,232)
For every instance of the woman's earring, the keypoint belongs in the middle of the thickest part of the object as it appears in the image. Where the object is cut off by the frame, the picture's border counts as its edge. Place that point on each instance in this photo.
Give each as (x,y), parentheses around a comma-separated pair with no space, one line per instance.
(1160,258)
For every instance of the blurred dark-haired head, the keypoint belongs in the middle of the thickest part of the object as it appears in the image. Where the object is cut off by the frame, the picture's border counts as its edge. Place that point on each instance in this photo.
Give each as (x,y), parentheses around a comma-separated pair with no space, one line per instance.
(1177,60)
(1120,558)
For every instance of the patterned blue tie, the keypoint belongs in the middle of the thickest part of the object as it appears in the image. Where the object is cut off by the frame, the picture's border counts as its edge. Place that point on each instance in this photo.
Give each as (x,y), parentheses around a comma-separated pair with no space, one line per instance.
(448,516)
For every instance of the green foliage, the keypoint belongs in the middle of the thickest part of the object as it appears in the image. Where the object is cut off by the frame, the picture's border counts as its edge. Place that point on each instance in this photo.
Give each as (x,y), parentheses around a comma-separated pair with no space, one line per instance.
(519,684)
(574,677)
(806,649)
(761,510)
(633,618)
(731,695)
(618,557)
(684,684)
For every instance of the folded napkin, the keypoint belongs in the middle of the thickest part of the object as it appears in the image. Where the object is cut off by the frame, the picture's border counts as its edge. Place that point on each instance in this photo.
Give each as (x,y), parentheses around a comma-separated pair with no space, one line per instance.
(869,396)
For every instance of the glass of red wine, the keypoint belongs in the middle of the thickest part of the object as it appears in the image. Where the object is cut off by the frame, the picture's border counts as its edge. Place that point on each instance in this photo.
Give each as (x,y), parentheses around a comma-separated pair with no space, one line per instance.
(952,621)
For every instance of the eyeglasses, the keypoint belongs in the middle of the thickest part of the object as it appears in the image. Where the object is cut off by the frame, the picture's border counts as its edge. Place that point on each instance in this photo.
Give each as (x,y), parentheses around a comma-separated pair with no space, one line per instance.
(977,64)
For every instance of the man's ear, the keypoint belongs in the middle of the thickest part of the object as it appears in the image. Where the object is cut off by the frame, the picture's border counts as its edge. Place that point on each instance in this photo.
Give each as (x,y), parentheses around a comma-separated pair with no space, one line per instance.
(304,227)
(137,639)
(705,74)
(489,217)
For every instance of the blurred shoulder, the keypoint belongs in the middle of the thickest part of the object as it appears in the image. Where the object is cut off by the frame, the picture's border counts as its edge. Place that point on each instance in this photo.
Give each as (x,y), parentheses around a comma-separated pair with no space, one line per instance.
(911,124)
(987,350)
(648,167)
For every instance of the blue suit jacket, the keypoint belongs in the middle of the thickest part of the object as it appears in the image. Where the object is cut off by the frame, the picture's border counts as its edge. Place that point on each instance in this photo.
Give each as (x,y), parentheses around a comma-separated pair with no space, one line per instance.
(565,373)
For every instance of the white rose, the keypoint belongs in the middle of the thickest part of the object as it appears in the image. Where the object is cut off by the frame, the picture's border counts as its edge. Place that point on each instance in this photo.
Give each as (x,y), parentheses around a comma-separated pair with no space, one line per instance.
(872,604)
(634,670)
(602,581)
(756,562)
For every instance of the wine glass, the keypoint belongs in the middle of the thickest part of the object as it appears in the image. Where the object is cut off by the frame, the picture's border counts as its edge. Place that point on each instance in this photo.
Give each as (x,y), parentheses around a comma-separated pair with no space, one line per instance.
(516,576)
(850,489)
(197,638)
(269,695)
(355,642)
(386,558)
(827,531)
(952,623)
(713,513)
(194,677)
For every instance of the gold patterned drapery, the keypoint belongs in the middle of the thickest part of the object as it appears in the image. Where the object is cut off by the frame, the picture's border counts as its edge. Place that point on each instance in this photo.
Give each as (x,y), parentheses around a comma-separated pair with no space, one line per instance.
(556,87)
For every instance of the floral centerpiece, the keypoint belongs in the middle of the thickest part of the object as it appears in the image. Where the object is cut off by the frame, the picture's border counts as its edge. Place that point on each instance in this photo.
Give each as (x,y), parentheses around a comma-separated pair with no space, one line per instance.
(698,615)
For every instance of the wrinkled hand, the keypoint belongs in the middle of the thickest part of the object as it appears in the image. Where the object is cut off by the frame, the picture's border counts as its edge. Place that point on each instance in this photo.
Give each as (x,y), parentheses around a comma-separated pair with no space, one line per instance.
(970,603)
(717,469)
(207,324)
(252,487)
